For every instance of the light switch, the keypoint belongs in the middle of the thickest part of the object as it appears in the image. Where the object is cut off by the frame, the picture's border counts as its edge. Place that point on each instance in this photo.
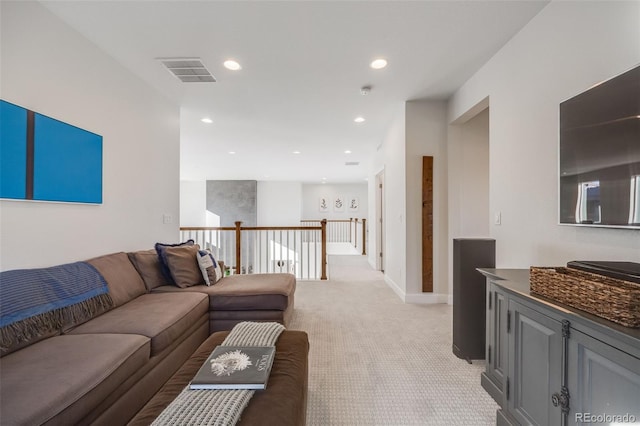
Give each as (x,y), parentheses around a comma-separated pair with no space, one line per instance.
(497,218)
(167,218)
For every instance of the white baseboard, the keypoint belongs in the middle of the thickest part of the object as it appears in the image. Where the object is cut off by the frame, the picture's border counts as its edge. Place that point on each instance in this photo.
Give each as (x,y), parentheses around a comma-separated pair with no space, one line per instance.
(450,299)
(425,298)
(394,287)
(416,298)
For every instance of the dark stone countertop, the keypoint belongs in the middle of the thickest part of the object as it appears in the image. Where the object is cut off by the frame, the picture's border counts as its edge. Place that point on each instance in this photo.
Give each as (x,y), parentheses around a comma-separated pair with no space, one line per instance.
(516,281)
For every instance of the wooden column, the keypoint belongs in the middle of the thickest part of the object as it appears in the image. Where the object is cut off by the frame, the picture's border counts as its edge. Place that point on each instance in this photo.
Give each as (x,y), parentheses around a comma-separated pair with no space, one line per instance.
(238,247)
(364,237)
(427,224)
(323,259)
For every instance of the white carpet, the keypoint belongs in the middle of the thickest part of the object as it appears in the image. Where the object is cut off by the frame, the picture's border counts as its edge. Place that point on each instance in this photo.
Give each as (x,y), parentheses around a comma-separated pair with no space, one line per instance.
(377,361)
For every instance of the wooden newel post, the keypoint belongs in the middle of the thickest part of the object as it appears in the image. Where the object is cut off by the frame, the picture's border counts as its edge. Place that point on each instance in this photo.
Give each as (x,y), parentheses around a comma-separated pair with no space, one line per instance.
(364,237)
(323,260)
(238,248)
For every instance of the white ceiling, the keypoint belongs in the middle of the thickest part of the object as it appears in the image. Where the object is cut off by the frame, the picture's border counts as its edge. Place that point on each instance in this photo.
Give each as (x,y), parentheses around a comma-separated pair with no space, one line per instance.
(303,63)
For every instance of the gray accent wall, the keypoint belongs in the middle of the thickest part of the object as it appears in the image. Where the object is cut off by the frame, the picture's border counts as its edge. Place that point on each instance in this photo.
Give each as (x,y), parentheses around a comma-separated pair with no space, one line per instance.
(233,200)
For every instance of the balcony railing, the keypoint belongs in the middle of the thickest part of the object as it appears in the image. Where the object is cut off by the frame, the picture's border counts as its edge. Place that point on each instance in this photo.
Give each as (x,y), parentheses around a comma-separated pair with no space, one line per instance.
(351,230)
(300,250)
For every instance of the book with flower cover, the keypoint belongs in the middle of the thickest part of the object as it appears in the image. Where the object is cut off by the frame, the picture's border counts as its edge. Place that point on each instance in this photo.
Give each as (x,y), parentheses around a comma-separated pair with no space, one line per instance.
(235,367)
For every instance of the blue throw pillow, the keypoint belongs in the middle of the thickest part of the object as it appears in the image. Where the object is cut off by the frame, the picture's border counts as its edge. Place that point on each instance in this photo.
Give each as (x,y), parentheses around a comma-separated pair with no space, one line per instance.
(160,249)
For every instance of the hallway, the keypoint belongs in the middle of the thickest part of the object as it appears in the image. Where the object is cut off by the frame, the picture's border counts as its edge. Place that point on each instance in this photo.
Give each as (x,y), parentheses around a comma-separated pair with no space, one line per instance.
(351,268)
(375,360)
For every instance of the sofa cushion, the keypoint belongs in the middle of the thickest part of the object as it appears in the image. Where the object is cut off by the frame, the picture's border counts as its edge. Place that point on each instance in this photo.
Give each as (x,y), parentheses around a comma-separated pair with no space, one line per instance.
(124,282)
(41,380)
(245,292)
(183,265)
(148,266)
(162,317)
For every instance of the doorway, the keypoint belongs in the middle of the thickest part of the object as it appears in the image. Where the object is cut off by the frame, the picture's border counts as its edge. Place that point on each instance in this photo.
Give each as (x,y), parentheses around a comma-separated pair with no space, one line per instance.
(468,179)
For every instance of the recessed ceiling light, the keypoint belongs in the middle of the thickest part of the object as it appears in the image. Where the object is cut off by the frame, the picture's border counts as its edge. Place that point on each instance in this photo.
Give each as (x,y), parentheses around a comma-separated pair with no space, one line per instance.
(232,152)
(232,65)
(296,152)
(378,64)
(359,119)
(347,152)
(207,120)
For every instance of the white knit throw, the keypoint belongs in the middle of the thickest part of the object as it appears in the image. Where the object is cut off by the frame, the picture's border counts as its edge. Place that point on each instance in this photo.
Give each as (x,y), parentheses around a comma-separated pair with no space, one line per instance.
(220,407)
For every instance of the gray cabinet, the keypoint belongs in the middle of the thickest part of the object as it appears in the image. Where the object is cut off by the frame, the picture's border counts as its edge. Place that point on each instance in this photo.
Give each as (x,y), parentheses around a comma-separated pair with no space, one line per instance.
(496,342)
(534,371)
(550,365)
(602,380)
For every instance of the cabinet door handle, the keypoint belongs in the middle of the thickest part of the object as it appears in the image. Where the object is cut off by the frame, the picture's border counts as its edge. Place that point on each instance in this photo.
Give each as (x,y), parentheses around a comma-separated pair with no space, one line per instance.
(561,399)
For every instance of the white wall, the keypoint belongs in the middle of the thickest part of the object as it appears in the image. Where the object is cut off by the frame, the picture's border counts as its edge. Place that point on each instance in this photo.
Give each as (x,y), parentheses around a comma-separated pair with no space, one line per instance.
(565,49)
(391,157)
(468,178)
(420,129)
(426,135)
(468,181)
(49,68)
(193,203)
(311,194)
(279,203)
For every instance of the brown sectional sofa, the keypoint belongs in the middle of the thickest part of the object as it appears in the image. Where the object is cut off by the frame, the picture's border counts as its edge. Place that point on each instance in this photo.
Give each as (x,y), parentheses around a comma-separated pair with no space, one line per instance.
(104,370)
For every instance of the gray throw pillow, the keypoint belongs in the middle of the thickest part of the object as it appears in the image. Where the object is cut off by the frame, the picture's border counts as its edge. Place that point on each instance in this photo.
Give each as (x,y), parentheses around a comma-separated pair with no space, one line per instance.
(183,265)
(148,265)
(160,249)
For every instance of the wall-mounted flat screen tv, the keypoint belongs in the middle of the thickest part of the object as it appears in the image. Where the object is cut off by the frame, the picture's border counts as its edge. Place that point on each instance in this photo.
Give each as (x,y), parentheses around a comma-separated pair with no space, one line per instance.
(600,154)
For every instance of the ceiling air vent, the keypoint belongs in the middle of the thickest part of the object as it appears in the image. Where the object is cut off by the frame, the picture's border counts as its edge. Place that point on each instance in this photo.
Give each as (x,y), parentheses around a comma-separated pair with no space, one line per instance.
(352,163)
(188,70)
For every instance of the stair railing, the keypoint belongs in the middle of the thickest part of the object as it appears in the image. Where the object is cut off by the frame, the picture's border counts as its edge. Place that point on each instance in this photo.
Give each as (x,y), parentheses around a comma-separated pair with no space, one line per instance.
(300,250)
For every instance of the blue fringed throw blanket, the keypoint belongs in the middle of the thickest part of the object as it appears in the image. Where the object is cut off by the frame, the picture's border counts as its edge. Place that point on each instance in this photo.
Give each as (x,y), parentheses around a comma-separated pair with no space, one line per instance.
(38,302)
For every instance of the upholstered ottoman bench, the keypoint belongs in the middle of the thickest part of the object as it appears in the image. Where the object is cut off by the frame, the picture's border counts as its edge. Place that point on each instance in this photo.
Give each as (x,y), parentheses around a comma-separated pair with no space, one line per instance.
(283,403)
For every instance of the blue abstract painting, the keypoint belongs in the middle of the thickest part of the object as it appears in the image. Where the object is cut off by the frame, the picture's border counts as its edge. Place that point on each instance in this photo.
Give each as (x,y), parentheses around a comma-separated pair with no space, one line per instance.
(44,159)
